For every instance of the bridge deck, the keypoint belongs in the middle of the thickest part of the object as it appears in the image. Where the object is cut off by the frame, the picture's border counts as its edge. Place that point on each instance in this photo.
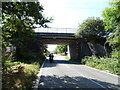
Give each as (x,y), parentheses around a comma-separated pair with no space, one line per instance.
(63,34)
(44,35)
(56,30)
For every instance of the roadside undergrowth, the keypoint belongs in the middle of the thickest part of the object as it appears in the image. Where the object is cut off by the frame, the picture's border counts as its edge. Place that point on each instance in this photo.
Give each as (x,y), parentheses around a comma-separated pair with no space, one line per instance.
(110,65)
(19,76)
(67,58)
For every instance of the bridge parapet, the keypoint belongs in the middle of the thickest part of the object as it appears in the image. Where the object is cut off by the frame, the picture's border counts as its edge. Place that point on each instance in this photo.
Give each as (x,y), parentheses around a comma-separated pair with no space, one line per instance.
(56,30)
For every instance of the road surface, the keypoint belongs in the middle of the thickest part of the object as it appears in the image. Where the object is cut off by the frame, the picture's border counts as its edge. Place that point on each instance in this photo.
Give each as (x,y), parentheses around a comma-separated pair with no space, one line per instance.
(66,74)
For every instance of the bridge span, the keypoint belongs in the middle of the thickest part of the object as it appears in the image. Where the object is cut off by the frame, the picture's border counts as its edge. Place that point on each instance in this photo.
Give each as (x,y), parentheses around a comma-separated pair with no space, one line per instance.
(56,30)
(77,47)
(64,36)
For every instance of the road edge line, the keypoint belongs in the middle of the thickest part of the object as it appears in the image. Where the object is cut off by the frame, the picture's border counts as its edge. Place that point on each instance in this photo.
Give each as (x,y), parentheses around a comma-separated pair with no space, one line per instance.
(93,81)
(102,71)
(35,86)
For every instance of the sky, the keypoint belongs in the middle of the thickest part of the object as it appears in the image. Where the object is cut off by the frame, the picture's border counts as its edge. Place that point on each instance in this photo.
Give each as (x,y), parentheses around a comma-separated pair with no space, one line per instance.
(51,47)
(71,13)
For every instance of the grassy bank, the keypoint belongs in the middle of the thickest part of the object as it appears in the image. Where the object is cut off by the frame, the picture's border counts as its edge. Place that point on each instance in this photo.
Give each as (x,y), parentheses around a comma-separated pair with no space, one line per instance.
(67,58)
(108,64)
(19,76)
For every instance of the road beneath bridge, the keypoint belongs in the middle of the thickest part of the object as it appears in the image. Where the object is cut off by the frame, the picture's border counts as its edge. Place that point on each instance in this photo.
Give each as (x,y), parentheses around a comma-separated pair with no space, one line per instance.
(66,74)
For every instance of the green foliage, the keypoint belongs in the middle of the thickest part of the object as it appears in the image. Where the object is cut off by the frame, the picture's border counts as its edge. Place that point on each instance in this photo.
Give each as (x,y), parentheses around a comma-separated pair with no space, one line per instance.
(31,57)
(114,38)
(91,28)
(67,58)
(46,52)
(112,16)
(19,20)
(6,60)
(112,19)
(28,13)
(61,49)
(110,64)
(115,54)
(23,80)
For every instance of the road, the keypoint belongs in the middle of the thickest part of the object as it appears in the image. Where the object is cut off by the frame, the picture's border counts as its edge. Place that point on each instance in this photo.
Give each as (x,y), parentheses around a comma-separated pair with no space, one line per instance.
(66,74)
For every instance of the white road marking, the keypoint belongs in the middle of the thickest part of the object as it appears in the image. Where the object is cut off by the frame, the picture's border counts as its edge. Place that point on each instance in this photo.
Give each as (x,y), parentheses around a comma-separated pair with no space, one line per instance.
(88,78)
(102,71)
(35,87)
(93,81)
(40,73)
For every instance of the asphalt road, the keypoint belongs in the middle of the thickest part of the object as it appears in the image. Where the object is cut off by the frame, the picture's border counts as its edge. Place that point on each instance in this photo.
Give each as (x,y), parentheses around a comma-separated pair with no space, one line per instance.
(66,74)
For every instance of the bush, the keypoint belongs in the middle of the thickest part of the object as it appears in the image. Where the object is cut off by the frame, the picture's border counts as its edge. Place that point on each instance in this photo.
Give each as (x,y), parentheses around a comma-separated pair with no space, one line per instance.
(115,54)
(20,75)
(20,79)
(7,58)
(67,58)
(103,63)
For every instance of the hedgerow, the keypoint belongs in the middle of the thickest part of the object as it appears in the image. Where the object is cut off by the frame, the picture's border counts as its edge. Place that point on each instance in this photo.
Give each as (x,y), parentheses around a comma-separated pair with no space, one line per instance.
(103,63)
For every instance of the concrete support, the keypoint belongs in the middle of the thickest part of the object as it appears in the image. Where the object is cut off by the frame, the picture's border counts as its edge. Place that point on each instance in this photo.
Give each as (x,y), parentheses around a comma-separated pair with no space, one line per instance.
(73,51)
(84,49)
(68,51)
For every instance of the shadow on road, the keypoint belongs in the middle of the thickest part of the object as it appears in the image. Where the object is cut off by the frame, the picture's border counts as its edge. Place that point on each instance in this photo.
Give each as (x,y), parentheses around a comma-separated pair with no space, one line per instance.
(72,83)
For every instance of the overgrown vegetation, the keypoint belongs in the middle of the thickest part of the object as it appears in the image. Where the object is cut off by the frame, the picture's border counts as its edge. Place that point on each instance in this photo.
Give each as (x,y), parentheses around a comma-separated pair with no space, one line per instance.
(18,24)
(112,20)
(20,66)
(67,58)
(46,52)
(109,28)
(108,64)
(62,49)
(91,29)
(19,76)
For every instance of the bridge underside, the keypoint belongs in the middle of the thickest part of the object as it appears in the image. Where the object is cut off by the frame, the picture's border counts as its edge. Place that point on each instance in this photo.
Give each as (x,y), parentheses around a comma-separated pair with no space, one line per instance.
(78,48)
(59,38)
(73,45)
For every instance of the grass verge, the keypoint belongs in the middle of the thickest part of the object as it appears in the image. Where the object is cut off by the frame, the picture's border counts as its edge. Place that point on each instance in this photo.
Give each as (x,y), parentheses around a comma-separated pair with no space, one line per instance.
(19,76)
(110,65)
(67,58)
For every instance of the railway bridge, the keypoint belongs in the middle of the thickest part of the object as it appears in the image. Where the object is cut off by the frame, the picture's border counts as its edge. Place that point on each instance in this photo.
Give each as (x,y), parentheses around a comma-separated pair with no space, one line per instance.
(77,48)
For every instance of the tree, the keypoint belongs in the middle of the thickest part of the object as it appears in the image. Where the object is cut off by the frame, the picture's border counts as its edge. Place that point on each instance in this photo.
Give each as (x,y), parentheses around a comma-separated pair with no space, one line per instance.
(91,29)
(46,52)
(112,19)
(61,49)
(19,20)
